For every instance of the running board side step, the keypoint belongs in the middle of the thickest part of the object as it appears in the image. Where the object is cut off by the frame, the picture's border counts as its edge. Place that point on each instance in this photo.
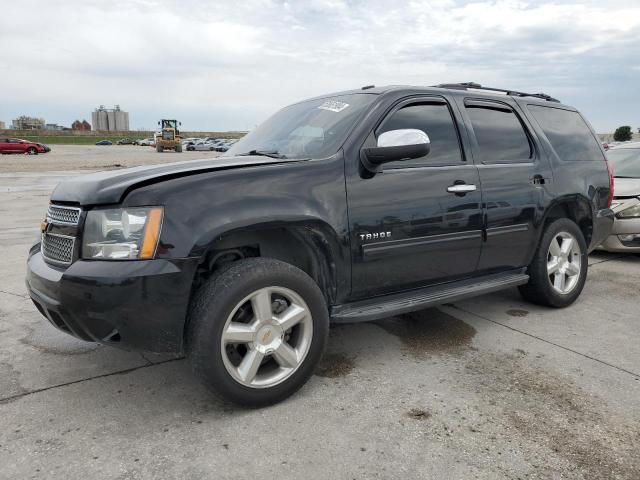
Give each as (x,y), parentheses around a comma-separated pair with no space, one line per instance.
(404,302)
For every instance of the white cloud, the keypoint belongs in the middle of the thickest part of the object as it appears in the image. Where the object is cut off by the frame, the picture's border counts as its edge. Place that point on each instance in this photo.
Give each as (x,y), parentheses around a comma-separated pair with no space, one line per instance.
(228,64)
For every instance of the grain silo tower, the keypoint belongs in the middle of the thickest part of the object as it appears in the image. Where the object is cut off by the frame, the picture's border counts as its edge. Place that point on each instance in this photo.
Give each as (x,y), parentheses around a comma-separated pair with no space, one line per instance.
(110,119)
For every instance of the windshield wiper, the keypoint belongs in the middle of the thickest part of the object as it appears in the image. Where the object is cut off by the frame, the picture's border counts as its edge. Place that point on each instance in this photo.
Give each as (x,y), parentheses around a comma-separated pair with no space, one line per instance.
(621,176)
(263,153)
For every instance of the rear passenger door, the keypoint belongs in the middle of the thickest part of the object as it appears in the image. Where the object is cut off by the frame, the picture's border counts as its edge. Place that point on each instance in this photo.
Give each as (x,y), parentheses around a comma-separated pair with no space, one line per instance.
(515,179)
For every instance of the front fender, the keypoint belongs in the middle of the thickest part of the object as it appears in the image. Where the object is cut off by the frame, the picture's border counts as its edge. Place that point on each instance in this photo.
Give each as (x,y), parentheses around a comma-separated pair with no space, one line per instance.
(307,196)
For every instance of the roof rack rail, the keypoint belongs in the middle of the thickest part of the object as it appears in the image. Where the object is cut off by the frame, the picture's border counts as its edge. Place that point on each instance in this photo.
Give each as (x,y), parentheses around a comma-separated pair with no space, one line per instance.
(477,86)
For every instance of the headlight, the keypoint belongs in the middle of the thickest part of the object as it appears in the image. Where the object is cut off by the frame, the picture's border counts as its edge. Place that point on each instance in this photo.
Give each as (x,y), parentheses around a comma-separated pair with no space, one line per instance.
(122,233)
(631,212)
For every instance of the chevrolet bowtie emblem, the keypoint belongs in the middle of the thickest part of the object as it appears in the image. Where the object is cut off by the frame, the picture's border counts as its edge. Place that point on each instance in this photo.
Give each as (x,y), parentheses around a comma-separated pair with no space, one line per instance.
(44,225)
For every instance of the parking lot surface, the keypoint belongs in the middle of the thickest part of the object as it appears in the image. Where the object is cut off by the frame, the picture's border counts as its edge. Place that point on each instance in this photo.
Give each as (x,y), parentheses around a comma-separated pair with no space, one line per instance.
(488,388)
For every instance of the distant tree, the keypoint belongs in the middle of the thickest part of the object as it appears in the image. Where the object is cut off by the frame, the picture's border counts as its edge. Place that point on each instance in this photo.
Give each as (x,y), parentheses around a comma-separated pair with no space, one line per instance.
(623,134)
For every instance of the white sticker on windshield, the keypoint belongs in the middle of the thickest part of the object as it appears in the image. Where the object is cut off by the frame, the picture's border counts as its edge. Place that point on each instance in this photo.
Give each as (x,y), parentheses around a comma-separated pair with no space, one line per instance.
(333,106)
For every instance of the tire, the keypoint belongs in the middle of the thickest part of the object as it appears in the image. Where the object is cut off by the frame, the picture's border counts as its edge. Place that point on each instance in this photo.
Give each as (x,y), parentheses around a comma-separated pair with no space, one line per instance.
(231,294)
(178,148)
(32,151)
(557,280)
(159,148)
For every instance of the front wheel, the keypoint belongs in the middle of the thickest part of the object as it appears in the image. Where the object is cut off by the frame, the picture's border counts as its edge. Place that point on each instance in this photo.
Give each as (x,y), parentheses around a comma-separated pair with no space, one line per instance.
(32,151)
(558,271)
(256,331)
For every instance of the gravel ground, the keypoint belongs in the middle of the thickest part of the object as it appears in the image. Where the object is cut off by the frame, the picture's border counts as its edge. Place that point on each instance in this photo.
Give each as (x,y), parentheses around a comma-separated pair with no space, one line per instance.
(93,157)
(489,388)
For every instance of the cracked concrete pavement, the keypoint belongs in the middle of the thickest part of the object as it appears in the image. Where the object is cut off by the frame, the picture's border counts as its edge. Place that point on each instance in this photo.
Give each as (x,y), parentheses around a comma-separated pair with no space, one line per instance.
(488,388)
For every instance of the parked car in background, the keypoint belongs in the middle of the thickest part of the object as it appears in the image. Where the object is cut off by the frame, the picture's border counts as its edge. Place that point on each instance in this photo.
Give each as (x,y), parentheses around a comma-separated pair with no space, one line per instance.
(146,142)
(625,162)
(201,146)
(125,141)
(225,145)
(17,145)
(190,141)
(104,142)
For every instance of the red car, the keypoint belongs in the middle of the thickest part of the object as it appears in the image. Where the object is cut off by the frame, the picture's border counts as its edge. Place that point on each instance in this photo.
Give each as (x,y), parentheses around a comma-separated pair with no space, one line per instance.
(15,145)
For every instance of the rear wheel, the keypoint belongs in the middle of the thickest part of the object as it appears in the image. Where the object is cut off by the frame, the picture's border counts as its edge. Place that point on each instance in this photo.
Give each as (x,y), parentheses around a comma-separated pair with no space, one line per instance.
(32,151)
(559,268)
(178,148)
(159,148)
(256,331)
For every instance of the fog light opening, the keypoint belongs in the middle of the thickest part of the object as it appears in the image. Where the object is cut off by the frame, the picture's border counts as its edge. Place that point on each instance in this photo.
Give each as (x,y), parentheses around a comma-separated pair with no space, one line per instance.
(629,237)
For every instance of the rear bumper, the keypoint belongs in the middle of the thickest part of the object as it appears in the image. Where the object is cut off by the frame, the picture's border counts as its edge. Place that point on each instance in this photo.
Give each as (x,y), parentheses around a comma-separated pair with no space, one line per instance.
(602,225)
(138,305)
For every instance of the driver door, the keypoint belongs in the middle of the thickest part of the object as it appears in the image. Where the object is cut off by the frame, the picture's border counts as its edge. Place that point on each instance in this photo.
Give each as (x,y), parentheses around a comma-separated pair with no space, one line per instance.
(13,146)
(417,222)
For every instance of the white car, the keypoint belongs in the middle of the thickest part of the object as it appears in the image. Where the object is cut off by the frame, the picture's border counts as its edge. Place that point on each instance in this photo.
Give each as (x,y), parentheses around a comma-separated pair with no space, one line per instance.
(147,142)
(202,146)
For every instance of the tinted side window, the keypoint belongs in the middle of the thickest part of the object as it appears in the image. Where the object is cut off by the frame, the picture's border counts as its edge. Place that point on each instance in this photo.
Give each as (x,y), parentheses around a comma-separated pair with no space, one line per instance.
(500,136)
(436,121)
(568,133)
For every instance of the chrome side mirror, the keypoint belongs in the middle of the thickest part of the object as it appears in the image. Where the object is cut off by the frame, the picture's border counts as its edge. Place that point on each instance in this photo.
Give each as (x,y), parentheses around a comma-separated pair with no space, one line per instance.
(403,138)
(396,145)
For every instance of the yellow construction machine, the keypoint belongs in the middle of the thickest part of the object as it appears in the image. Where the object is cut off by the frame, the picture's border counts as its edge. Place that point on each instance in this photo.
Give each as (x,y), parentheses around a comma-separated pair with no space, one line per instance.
(169,136)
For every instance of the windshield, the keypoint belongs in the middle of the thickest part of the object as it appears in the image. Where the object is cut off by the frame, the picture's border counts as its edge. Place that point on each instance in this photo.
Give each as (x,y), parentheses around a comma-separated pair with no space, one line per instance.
(625,162)
(311,129)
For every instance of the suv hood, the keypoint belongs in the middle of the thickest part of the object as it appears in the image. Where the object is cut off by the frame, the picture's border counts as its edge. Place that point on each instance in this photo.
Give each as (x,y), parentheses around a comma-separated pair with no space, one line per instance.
(626,187)
(111,186)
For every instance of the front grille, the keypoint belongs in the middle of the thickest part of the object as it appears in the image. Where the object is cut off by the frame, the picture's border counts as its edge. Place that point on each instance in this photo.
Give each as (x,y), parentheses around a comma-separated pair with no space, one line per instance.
(64,215)
(58,248)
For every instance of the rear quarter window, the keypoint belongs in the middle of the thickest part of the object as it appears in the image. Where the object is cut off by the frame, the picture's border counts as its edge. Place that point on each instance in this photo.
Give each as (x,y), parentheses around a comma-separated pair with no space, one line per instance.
(568,133)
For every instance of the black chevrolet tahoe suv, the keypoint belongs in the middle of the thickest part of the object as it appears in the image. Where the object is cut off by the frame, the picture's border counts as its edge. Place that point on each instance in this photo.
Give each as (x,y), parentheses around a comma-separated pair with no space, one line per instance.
(344,208)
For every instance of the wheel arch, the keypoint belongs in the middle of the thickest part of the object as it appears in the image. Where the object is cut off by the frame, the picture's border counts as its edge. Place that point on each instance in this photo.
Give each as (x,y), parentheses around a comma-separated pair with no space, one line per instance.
(576,208)
(309,244)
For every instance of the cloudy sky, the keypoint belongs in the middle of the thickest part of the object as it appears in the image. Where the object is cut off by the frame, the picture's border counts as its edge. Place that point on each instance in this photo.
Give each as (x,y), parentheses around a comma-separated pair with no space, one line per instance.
(225,65)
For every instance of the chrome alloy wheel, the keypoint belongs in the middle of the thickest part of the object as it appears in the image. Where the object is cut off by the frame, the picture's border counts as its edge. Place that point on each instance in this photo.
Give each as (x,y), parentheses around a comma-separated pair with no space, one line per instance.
(266,337)
(564,262)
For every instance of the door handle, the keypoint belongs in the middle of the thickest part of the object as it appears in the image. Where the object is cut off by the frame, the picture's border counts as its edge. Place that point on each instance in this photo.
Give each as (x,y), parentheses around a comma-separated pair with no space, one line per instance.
(461,188)
(538,180)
